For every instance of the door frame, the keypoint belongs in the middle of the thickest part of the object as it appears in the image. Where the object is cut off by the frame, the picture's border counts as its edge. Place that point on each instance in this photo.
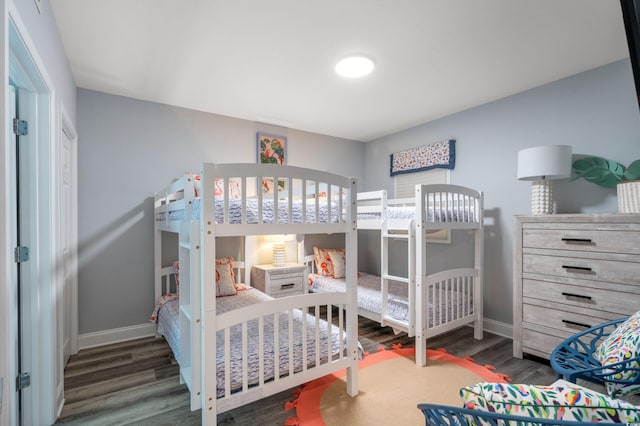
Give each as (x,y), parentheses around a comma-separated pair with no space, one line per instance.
(27,72)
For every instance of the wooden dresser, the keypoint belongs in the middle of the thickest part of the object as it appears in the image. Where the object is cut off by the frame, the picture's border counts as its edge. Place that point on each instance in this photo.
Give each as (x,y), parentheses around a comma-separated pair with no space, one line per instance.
(572,271)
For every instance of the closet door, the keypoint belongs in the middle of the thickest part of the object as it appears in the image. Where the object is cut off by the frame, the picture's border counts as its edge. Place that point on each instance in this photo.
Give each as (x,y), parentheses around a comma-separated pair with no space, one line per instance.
(25,207)
(67,215)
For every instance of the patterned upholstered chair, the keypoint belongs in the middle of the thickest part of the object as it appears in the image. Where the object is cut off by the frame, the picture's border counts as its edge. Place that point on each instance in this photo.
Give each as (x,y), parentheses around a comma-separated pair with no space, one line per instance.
(442,415)
(607,353)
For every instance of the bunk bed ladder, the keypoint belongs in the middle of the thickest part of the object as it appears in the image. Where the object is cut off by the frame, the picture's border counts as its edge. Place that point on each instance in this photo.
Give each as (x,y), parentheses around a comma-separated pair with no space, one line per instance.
(190,355)
(409,280)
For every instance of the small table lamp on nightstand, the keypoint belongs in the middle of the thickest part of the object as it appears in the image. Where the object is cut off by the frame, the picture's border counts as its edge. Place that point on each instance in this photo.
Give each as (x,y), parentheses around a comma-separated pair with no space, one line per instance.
(278,248)
(542,165)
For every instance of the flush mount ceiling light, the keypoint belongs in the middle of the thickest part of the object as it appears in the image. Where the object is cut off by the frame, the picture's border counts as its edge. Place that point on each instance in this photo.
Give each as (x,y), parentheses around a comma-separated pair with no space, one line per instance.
(354,66)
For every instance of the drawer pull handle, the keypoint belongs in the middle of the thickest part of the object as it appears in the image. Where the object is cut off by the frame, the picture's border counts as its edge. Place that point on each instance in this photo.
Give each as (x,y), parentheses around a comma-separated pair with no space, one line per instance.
(577,240)
(579,324)
(287,286)
(576,295)
(578,269)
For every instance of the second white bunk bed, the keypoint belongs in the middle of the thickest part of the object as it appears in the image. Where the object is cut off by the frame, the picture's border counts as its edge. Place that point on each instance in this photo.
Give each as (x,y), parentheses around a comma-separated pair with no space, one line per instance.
(231,201)
(422,304)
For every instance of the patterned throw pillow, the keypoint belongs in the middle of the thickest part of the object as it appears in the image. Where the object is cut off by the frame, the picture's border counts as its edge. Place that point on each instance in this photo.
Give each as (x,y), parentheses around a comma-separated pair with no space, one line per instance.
(176,268)
(338,262)
(225,285)
(622,344)
(234,188)
(561,401)
(324,264)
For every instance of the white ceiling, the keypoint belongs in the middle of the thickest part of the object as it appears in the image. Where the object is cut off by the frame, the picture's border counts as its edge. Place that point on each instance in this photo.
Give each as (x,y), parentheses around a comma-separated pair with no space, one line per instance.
(272,61)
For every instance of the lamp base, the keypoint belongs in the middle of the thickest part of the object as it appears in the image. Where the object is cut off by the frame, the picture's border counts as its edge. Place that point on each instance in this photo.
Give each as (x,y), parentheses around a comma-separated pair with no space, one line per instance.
(542,197)
(279,254)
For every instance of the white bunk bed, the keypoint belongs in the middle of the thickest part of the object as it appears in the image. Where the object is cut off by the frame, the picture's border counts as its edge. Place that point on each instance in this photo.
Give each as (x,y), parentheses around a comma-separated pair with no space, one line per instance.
(218,350)
(421,304)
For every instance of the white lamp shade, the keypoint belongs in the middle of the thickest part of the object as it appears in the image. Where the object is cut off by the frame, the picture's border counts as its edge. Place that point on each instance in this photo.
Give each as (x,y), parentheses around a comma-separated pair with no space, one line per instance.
(544,162)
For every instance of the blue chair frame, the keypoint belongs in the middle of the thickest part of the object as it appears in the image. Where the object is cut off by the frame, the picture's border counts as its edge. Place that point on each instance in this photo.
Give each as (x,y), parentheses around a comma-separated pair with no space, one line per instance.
(573,358)
(443,415)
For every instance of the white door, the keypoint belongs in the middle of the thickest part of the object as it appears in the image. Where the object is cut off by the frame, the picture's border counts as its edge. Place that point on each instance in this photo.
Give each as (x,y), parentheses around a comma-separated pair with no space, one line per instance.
(67,220)
(23,239)
(35,224)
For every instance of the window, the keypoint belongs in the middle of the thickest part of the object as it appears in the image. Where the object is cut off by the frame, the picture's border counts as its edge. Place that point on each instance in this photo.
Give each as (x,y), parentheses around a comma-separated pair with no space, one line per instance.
(405,187)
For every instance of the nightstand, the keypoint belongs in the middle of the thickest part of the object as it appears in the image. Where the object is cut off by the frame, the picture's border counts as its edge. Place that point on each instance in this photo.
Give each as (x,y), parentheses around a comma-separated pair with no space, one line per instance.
(279,281)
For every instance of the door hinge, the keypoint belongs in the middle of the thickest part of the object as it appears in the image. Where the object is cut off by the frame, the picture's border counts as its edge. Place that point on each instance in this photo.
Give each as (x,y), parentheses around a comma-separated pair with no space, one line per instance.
(21,254)
(20,127)
(23,381)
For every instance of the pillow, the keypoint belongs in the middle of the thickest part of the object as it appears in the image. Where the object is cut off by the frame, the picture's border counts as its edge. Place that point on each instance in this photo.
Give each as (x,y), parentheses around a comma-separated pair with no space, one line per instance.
(196,185)
(234,188)
(338,262)
(564,401)
(225,286)
(176,267)
(622,344)
(324,264)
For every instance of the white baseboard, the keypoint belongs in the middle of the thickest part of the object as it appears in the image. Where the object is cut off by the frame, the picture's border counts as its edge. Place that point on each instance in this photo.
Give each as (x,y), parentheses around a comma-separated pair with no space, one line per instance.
(115,335)
(500,328)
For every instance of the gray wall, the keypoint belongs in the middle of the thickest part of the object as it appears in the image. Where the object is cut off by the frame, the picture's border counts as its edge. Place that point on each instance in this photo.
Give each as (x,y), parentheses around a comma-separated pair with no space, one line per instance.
(595,112)
(45,36)
(128,149)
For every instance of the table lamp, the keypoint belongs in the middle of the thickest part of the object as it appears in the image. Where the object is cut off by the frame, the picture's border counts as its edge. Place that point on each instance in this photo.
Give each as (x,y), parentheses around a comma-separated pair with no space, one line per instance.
(543,165)
(278,248)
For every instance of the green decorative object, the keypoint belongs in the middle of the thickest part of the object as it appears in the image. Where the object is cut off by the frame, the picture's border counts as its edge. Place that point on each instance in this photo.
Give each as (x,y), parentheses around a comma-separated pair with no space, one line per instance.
(606,173)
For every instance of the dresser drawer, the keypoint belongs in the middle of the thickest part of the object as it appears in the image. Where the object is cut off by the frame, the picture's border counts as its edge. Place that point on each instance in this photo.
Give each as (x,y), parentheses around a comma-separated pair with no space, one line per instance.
(540,343)
(583,240)
(598,299)
(574,267)
(288,282)
(563,321)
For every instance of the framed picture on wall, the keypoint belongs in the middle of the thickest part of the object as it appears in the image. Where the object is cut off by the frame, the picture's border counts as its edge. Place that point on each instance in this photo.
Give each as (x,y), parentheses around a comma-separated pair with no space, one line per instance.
(272,149)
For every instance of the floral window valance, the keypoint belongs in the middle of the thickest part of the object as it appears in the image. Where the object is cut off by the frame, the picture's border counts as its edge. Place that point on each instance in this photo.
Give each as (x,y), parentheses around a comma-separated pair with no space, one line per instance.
(436,155)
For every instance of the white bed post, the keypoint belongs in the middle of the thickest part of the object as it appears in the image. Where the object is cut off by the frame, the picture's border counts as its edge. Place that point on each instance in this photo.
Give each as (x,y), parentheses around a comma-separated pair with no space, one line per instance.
(208,296)
(157,258)
(421,279)
(478,296)
(351,246)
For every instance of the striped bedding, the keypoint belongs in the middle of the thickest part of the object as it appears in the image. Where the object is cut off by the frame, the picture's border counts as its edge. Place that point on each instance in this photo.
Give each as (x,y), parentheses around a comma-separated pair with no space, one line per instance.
(370,298)
(368,293)
(433,214)
(168,322)
(235,212)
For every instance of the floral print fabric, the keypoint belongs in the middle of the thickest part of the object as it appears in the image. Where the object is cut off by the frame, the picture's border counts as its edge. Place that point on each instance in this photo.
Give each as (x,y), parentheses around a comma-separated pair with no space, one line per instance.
(324,263)
(436,155)
(561,401)
(621,345)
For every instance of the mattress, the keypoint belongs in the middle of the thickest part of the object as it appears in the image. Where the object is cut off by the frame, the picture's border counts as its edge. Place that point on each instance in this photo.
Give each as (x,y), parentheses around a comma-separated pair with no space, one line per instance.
(329,336)
(235,212)
(370,298)
(433,214)
(169,325)
(369,293)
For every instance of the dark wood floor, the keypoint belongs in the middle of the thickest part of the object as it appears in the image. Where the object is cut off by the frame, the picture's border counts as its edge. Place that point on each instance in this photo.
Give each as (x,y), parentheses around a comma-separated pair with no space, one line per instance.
(136,382)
